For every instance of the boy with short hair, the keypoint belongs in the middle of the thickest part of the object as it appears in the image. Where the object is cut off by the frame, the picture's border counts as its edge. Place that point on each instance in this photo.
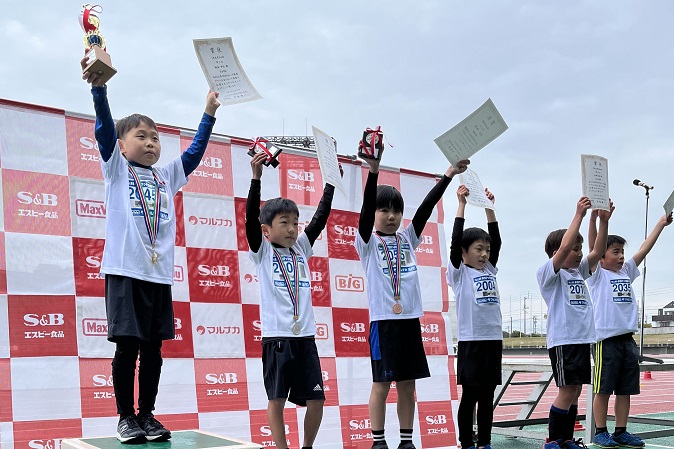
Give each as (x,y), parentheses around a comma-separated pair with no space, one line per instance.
(290,362)
(616,356)
(471,273)
(140,230)
(570,330)
(394,294)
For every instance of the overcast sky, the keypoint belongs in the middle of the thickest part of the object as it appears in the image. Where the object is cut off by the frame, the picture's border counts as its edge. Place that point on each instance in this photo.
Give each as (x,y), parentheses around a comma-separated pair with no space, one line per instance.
(569,77)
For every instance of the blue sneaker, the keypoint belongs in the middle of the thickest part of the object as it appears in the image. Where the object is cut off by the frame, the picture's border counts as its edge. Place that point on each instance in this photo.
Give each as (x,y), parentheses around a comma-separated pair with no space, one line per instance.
(605,441)
(626,439)
(555,444)
(574,444)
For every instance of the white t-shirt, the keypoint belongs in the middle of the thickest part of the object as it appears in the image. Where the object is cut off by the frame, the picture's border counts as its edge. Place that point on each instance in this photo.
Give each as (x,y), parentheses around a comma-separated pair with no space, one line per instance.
(276,308)
(570,317)
(615,309)
(379,289)
(128,251)
(478,304)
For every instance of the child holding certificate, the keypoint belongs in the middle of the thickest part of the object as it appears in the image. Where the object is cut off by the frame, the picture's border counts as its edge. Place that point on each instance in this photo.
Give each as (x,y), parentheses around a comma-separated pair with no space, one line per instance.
(394,294)
(570,319)
(290,363)
(472,275)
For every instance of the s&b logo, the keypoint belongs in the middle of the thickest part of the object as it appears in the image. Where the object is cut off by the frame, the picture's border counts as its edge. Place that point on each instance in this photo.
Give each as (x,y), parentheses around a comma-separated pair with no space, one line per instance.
(50,319)
(101,380)
(301,175)
(215,270)
(222,378)
(353,328)
(39,199)
(349,231)
(436,419)
(359,424)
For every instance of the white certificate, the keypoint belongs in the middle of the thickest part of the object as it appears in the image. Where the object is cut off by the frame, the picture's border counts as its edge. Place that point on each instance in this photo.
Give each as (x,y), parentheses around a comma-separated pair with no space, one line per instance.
(477,197)
(223,71)
(472,134)
(595,180)
(327,159)
(669,204)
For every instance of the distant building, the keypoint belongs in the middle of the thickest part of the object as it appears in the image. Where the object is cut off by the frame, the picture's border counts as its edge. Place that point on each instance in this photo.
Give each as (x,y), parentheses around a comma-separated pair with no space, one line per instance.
(665,316)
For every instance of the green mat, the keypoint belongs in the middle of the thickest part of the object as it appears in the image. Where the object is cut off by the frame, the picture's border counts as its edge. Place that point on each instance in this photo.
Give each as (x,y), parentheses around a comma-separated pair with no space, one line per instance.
(187,439)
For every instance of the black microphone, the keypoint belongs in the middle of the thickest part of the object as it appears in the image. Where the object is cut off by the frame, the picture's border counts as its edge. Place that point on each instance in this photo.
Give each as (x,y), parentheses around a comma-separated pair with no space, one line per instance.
(636,182)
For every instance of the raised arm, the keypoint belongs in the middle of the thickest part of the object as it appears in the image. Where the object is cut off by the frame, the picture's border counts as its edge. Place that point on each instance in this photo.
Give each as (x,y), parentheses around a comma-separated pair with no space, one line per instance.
(320,218)
(571,233)
(494,233)
(191,157)
(648,244)
(253,226)
(597,252)
(455,248)
(369,207)
(105,133)
(425,209)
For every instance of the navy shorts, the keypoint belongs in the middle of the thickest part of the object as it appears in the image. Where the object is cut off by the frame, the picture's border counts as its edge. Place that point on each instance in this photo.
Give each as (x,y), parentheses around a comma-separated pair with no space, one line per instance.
(292,370)
(138,309)
(571,364)
(397,351)
(479,363)
(616,366)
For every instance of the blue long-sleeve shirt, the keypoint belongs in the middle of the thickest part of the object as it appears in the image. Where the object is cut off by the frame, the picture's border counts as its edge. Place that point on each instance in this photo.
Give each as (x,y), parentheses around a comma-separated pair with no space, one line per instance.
(106,135)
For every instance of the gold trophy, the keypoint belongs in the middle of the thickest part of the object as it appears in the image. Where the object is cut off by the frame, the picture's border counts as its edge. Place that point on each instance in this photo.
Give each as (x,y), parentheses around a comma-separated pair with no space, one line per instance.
(98,60)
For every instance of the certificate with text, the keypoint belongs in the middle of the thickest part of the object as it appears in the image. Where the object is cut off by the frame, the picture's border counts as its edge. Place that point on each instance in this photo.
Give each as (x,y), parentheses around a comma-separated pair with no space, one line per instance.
(476,196)
(326,149)
(472,134)
(223,71)
(594,171)
(669,204)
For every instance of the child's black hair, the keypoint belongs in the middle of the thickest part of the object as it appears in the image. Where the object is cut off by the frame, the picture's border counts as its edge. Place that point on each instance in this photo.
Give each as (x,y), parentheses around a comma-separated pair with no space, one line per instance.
(388,197)
(128,123)
(271,208)
(613,239)
(471,235)
(554,241)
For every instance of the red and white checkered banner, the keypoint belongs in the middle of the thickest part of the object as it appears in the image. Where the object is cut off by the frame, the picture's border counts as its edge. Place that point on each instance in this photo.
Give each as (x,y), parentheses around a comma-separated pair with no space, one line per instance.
(55,379)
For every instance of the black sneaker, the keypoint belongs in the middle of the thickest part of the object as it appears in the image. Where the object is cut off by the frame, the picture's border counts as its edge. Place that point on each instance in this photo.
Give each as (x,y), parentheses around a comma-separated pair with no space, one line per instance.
(379,445)
(128,430)
(406,445)
(154,430)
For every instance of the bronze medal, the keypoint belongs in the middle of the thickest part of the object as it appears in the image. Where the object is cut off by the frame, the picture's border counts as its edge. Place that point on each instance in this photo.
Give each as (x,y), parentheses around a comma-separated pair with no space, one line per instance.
(397,308)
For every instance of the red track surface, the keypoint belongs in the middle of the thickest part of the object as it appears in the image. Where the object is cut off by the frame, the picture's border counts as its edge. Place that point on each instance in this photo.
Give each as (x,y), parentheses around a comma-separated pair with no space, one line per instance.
(657,396)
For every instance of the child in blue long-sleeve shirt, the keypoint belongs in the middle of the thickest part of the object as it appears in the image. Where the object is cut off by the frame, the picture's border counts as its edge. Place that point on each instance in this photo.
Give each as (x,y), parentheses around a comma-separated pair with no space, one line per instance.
(140,232)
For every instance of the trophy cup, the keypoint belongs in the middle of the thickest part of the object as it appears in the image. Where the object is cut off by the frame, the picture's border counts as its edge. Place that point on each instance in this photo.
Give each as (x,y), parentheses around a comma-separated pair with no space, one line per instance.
(272,151)
(98,60)
(372,143)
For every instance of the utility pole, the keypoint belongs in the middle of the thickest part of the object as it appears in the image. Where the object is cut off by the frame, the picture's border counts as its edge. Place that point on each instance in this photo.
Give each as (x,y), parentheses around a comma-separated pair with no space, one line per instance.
(535,318)
(524,309)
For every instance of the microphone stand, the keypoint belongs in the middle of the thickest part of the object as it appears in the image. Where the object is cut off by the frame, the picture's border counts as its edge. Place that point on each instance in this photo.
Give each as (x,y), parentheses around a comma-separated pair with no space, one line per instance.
(643,358)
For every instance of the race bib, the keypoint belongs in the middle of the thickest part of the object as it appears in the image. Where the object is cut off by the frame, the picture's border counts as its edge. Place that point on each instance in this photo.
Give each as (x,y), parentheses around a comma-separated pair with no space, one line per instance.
(577,292)
(485,290)
(622,290)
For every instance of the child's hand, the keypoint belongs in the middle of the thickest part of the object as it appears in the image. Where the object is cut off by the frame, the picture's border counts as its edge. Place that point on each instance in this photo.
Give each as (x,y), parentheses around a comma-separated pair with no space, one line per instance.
(91,78)
(461,167)
(605,215)
(666,220)
(490,195)
(461,193)
(594,214)
(256,164)
(583,205)
(373,163)
(212,103)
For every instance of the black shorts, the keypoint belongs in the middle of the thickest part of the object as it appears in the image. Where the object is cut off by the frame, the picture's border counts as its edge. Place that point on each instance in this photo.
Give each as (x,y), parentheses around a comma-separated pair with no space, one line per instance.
(138,309)
(616,366)
(292,370)
(479,363)
(397,351)
(571,364)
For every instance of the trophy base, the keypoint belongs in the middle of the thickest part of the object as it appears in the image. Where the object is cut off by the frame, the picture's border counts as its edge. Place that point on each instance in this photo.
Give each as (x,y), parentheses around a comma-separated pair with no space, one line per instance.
(99,63)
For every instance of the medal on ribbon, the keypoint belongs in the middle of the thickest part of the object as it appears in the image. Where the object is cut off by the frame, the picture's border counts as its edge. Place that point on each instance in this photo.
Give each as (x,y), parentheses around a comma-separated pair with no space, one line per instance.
(293,288)
(151,219)
(394,272)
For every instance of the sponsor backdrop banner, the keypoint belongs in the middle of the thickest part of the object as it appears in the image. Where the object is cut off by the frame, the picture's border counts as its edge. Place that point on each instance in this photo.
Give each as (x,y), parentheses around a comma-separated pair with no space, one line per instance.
(55,380)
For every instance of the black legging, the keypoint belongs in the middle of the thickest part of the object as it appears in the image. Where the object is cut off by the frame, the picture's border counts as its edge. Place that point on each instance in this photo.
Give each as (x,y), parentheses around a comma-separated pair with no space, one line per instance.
(484,398)
(124,371)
